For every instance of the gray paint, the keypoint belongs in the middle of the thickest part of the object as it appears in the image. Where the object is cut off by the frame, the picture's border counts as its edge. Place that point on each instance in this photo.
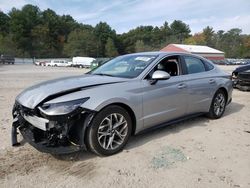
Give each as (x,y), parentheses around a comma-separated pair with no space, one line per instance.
(151,104)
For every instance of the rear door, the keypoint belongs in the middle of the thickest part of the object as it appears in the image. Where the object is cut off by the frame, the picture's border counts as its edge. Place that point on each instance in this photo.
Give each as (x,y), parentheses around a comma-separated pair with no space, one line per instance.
(201,84)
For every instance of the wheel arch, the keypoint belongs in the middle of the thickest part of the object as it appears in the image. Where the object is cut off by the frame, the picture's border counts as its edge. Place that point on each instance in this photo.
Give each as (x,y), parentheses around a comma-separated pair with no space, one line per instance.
(129,110)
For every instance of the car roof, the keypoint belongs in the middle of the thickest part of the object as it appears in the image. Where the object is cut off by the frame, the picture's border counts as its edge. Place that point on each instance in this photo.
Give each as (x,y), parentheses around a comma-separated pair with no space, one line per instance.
(160,53)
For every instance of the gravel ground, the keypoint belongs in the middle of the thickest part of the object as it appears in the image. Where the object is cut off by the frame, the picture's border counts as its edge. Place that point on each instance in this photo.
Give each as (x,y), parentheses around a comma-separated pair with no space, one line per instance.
(195,153)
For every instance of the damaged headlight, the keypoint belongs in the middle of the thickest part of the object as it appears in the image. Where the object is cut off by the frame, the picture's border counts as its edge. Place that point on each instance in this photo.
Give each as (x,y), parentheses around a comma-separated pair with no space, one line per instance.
(62,108)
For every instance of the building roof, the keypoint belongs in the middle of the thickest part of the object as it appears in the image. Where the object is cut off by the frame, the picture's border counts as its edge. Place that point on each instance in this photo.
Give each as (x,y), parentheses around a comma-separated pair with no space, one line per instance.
(192,48)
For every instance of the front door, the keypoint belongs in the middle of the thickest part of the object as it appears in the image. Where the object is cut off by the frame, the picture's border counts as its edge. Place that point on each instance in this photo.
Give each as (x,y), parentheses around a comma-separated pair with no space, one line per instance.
(166,99)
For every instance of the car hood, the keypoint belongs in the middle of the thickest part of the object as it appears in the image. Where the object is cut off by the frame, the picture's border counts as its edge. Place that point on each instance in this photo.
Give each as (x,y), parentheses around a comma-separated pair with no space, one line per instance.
(242,68)
(48,90)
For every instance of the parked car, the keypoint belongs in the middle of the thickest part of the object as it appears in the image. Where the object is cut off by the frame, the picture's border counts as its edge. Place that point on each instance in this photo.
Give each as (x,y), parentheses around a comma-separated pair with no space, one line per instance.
(99,111)
(70,64)
(98,62)
(241,78)
(58,63)
(41,63)
(7,59)
(82,62)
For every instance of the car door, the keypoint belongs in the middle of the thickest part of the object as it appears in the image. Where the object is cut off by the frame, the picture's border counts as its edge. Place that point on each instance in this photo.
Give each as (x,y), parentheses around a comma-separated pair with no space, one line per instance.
(201,85)
(165,100)
(60,63)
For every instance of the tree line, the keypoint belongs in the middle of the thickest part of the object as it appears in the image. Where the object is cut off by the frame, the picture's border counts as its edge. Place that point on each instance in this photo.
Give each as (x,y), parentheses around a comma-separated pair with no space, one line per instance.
(30,32)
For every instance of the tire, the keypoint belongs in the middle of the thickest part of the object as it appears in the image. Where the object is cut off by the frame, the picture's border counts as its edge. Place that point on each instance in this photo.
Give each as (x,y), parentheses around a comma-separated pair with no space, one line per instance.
(218,105)
(111,141)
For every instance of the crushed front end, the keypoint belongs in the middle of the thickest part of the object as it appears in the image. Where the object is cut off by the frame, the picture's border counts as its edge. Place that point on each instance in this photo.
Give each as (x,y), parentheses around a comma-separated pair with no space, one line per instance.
(241,78)
(55,134)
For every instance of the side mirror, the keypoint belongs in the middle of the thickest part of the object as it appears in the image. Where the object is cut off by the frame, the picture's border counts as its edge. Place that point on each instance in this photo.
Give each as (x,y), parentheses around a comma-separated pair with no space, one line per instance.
(159,75)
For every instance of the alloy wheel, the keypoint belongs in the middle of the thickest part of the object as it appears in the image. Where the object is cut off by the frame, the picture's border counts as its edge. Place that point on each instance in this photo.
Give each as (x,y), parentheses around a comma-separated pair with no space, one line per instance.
(112,131)
(219,104)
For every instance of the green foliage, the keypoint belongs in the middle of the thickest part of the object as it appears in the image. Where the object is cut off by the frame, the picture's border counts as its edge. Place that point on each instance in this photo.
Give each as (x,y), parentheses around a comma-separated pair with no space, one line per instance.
(21,24)
(103,32)
(139,46)
(30,32)
(4,23)
(179,30)
(82,42)
(110,49)
(7,45)
(208,34)
(231,42)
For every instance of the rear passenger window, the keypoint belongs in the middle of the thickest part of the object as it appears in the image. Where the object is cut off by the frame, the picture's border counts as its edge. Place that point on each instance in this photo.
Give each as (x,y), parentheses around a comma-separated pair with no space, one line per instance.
(194,65)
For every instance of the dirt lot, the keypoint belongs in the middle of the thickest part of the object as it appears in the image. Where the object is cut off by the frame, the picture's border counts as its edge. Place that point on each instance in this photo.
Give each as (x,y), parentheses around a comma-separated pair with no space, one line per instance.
(195,153)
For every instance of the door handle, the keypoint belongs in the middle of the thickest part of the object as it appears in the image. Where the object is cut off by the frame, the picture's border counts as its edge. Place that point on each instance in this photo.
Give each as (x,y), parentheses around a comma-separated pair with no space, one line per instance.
(181,86)
(212,81)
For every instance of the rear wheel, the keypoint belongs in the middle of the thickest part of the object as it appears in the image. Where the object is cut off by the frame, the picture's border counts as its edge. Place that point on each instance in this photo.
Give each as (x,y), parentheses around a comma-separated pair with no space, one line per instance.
(109,131)
(218,105)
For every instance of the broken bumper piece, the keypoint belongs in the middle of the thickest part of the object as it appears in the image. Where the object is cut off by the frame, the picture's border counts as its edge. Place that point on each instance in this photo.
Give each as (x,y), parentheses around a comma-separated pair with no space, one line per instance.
(57,135)
(43,145)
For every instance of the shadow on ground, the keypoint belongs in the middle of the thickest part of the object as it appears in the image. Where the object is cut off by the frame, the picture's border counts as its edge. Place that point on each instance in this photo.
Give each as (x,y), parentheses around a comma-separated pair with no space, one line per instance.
(26,160)
(232,108)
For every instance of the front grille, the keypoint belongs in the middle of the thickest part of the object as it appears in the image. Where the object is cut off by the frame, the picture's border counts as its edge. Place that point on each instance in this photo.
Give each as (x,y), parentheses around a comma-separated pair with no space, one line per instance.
(244,75)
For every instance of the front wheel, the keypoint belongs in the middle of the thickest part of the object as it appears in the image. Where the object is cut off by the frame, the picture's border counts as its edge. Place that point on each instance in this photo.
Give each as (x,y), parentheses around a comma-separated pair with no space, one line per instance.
(109,131)
(218,105)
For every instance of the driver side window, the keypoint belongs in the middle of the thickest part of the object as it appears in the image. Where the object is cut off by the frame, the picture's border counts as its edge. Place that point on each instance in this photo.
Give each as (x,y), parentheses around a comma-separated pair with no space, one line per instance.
(171,65)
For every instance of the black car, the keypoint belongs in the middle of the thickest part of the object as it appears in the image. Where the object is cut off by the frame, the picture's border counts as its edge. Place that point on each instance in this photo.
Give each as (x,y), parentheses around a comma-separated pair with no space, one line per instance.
(241,78)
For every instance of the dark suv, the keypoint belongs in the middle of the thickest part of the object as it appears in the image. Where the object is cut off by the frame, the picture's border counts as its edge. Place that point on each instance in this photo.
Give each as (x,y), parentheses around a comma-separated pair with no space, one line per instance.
(7,59)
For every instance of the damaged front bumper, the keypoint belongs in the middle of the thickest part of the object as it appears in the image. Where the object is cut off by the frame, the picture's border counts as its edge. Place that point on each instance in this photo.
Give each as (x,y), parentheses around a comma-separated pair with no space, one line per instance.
(55,135)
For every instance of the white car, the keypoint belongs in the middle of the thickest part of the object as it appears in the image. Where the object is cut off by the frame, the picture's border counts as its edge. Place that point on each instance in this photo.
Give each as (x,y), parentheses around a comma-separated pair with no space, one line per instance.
(58,63)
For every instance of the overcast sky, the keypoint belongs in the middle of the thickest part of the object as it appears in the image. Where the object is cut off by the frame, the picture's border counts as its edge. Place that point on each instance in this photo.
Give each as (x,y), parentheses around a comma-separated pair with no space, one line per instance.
(124,15)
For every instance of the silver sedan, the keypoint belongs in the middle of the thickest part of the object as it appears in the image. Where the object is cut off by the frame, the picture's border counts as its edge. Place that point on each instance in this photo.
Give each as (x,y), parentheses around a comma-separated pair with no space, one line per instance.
(100,110)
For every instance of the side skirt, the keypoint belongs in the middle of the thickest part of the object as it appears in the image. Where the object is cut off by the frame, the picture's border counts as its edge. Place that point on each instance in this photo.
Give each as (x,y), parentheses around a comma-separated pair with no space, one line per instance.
(171,122)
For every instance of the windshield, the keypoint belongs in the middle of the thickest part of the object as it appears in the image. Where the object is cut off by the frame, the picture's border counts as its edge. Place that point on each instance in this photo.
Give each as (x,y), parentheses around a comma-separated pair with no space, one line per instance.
(129,66)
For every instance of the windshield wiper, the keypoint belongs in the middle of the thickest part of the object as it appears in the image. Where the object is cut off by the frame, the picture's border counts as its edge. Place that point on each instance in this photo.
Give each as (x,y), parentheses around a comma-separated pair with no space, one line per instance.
(103,74)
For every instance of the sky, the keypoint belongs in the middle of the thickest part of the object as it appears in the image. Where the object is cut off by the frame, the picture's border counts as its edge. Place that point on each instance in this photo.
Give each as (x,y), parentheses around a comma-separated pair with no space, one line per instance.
(124,15)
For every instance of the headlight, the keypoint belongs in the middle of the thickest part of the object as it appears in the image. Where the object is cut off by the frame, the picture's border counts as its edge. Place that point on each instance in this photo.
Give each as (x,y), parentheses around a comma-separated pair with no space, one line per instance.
(61,108)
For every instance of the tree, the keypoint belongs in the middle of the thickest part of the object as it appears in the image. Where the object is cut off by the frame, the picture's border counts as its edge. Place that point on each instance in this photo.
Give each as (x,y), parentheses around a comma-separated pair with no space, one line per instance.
(208,34)
(110,49)
(179,30)
(139,46)
(231,42)
(21,24)
(81,42)
(41,41)
(245,48)
(103,31)
(55,38)
(7,46)
(196,39)
(29,32)
(4,23)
